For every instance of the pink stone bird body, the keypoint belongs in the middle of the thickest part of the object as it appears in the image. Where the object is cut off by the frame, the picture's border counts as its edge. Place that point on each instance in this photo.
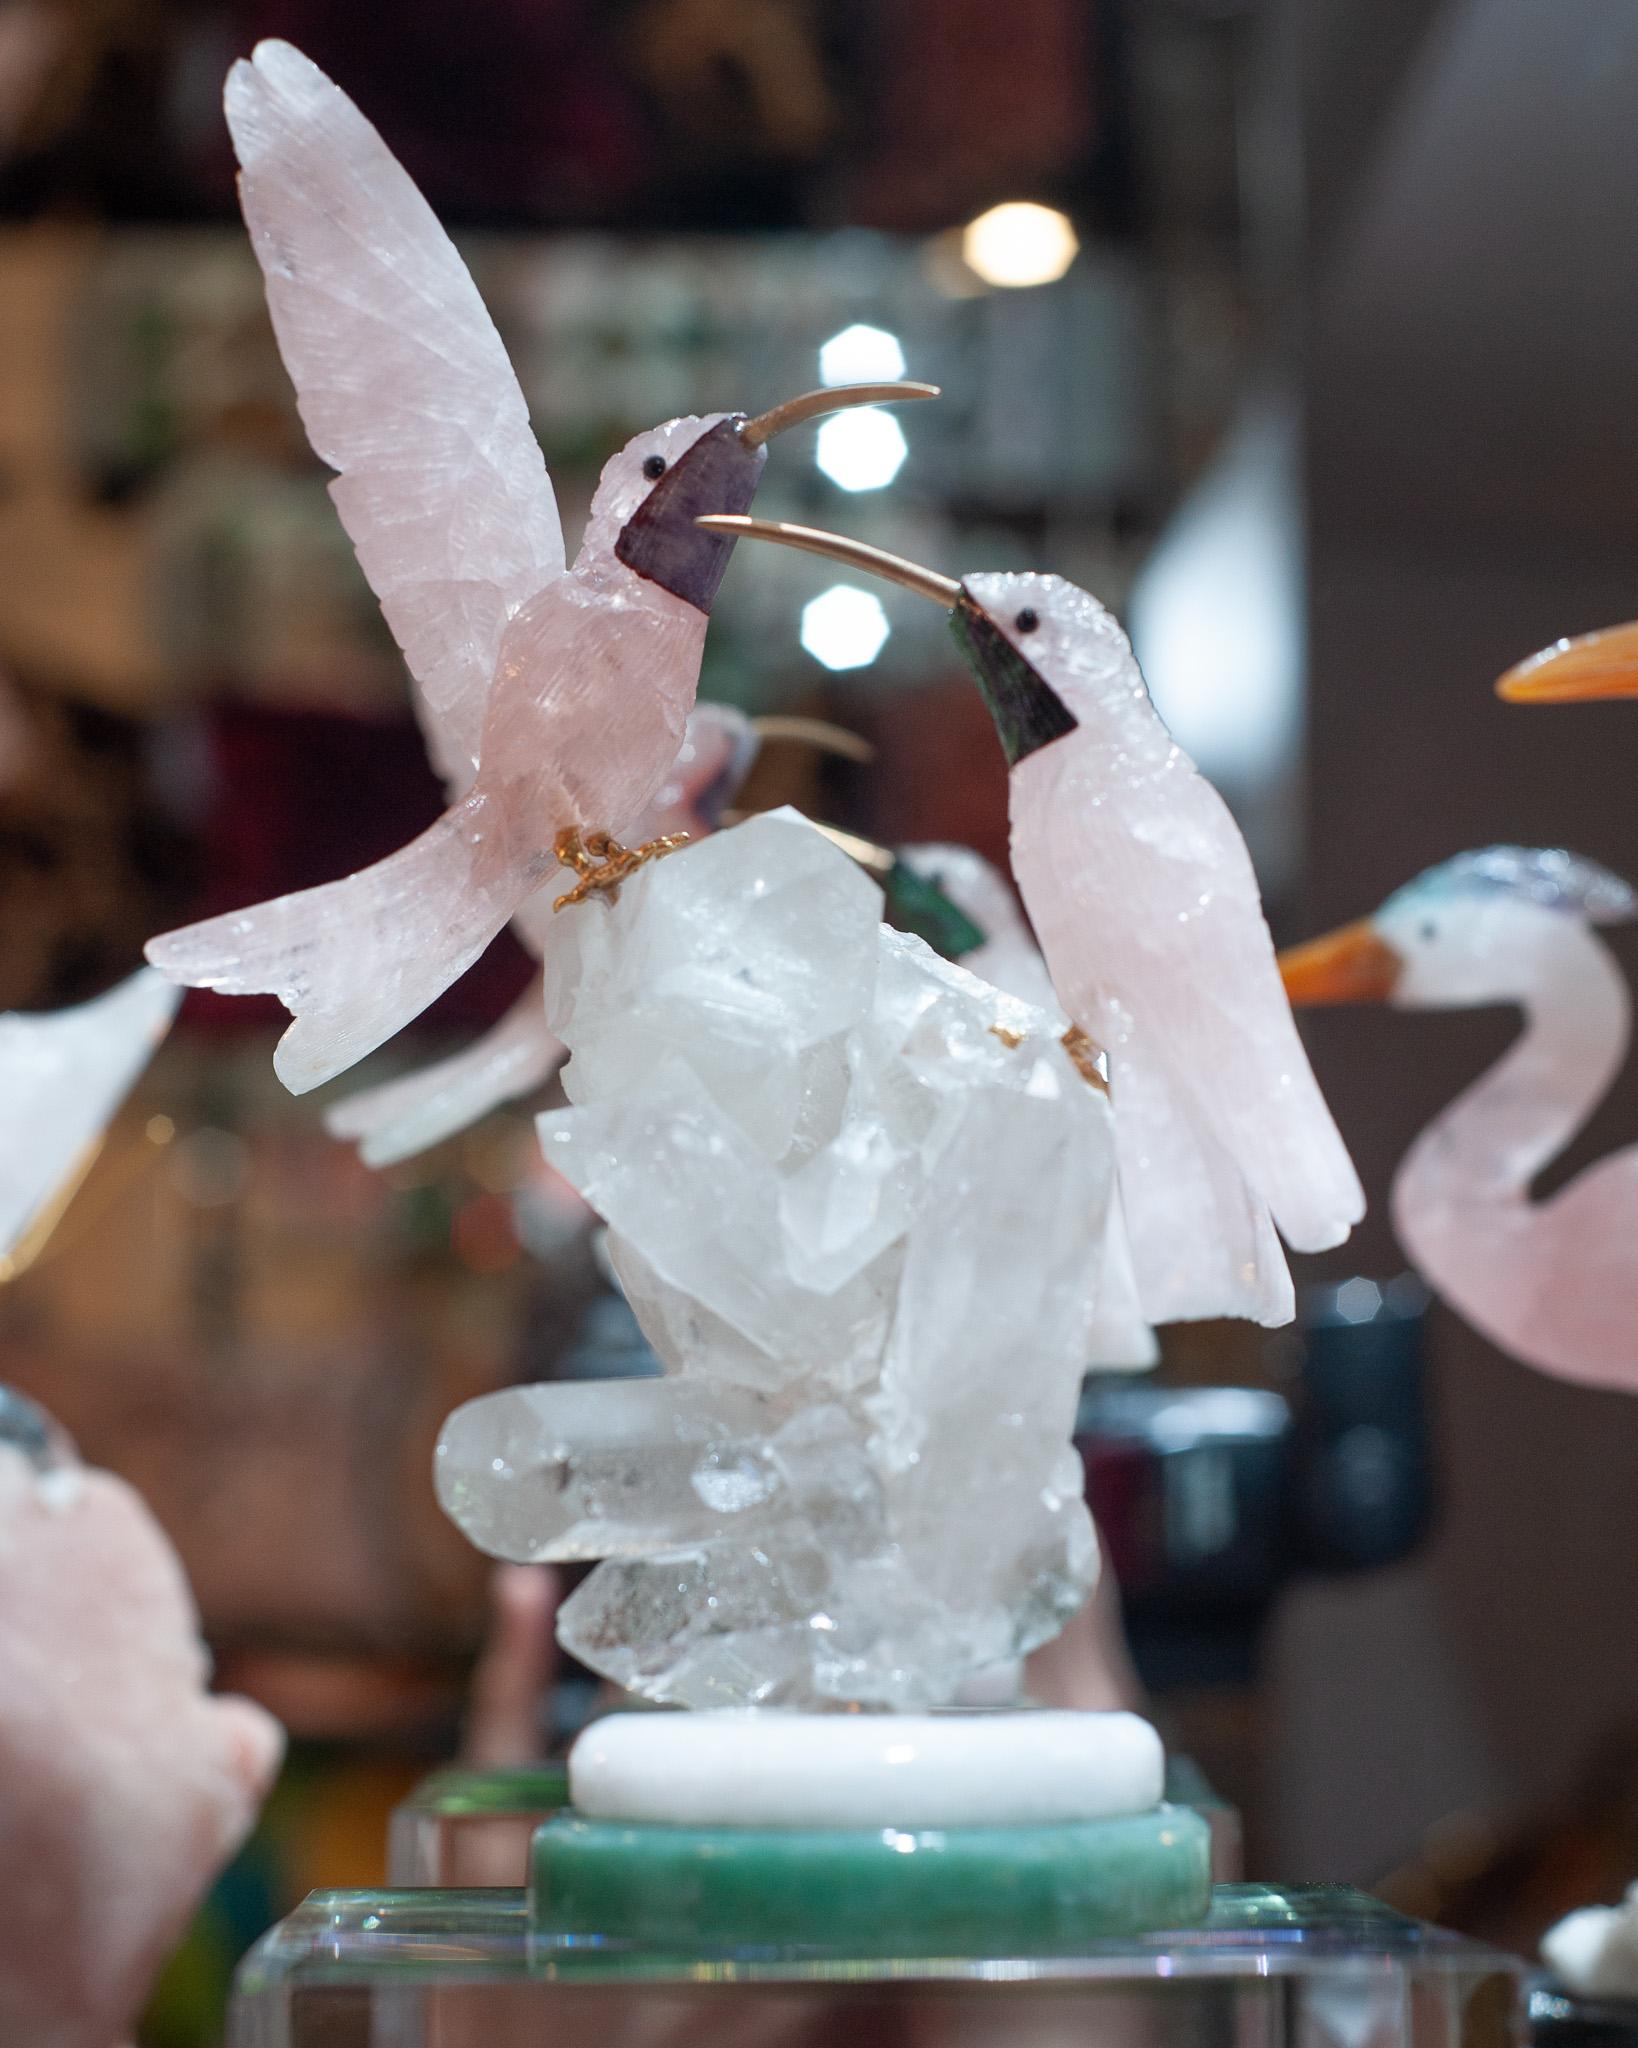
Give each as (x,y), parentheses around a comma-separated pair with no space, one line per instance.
(1143,897)
(1553,1282)
(593,683)
(551,698)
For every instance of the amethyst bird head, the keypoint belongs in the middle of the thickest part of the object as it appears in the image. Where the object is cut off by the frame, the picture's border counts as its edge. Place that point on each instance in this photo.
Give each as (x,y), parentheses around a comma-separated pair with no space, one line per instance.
(651,494)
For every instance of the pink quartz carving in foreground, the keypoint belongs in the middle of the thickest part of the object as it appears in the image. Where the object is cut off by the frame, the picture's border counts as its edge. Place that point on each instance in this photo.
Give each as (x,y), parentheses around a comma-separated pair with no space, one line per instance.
(124,1785)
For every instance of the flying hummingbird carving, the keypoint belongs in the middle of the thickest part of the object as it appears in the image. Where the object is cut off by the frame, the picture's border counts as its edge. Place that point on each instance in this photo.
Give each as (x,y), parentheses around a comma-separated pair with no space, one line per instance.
(553,698)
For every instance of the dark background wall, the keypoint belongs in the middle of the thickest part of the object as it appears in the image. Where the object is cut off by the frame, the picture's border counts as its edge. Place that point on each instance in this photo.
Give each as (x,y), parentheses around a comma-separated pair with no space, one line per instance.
(1470,367)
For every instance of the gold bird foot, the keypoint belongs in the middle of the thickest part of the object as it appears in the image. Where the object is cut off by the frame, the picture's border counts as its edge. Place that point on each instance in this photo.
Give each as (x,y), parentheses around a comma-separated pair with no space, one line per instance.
(1083,1052)
(602,863)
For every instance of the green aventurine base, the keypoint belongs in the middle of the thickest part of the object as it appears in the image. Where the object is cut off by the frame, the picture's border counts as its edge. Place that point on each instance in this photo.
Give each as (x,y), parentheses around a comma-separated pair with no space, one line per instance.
(881,1891)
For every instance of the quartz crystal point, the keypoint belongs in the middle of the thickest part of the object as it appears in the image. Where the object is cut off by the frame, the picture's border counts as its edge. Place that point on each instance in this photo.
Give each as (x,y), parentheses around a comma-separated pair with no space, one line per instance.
(124,1785)
(1010,960)
(864,1230)
(63,1074)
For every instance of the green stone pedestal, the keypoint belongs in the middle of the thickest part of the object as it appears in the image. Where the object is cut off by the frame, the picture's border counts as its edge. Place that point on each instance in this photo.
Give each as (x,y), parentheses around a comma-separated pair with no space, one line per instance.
(868,1892)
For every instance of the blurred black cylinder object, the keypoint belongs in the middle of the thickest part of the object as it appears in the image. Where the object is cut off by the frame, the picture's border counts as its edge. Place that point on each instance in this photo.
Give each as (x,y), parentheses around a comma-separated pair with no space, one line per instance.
(1210,1499)
(1362,1479)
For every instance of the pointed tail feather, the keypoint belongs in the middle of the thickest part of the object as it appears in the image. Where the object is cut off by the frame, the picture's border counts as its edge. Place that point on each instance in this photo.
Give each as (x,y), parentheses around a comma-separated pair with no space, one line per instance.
(1122,1338)
(1202,1241)
(353,961)
(417,1111)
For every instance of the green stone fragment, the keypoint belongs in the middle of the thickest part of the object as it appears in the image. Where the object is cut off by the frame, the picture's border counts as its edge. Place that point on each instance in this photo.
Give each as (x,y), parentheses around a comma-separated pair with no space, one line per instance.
(916,904)
(502,1789)
(930,1892)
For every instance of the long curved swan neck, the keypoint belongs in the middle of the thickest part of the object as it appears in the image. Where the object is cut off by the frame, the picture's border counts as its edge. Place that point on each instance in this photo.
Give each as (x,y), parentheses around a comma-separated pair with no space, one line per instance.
(1521,1113)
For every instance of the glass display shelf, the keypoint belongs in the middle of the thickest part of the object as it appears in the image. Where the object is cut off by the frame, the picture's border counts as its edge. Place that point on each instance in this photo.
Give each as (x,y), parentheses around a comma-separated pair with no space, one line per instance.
(1305,1967)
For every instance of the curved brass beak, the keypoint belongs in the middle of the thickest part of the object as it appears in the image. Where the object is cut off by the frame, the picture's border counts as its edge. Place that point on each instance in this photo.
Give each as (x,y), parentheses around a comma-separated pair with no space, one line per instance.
(814,732)
(1349,965)
(836,547)
(1602,664)
(813,405)
(879,860)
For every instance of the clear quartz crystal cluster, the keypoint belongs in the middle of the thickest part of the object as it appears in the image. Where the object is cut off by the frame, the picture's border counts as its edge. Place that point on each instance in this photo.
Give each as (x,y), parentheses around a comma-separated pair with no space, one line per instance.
(856,1197)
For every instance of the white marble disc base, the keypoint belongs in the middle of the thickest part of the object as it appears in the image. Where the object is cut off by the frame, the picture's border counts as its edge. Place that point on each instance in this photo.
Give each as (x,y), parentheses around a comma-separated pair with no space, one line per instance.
(778,1770)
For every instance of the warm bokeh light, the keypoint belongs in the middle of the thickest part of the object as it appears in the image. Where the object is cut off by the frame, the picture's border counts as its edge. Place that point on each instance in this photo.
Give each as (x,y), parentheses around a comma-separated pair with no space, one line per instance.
(1019,243)
(861,450)
(861,354)
(844,627)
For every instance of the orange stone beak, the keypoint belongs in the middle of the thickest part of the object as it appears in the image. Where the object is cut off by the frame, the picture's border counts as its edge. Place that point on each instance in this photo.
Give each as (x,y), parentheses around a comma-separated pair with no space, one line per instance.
(1349,965)
(1602,664)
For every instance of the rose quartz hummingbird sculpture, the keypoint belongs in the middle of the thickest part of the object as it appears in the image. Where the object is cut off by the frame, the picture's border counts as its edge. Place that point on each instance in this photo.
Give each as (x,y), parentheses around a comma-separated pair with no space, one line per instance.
(402,1117)
(553,698)
(1555,1282)
(124,1784)
(1143,899)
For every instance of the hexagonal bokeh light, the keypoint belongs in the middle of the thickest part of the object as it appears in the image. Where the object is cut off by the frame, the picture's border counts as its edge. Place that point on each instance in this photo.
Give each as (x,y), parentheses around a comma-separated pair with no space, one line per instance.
(861,354)
(844,627)
(862,450)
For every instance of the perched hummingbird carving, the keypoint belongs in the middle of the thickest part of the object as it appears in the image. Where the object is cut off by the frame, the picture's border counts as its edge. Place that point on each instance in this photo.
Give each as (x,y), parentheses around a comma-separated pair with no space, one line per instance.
(1146,907)
(553,698)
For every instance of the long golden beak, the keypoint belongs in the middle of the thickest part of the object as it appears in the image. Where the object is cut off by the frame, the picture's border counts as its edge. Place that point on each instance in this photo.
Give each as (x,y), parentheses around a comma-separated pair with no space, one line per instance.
(853,554)
(1603,664)
(1349,965)
(813,405)
(814,732)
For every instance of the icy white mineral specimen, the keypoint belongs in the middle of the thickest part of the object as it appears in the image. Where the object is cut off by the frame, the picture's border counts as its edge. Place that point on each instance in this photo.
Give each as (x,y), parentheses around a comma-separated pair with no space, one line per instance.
(1594,1951)
(63,1074)
(858,1200)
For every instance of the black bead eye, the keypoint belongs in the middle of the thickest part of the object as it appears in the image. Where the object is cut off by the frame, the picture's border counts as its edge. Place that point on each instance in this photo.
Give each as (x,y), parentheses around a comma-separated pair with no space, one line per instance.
(1027,620)
(653,465)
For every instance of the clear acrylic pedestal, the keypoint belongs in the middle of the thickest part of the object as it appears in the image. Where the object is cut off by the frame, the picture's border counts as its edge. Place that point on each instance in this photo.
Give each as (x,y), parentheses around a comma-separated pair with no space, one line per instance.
(464,1827)
(1309,1967)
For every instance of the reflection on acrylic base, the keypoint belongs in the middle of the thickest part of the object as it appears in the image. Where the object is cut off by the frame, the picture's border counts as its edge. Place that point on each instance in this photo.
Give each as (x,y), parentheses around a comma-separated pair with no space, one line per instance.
(1318,1967)
(465,1827)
